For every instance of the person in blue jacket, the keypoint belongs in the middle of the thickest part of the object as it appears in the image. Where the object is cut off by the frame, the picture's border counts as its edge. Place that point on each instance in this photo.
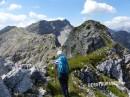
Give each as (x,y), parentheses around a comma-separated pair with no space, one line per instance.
(62,67)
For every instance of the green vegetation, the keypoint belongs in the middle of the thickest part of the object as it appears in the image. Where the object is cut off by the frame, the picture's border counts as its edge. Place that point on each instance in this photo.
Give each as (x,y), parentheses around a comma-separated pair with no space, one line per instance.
(98,93)
(104,78)
(54,88)
(117,92)
(93,58)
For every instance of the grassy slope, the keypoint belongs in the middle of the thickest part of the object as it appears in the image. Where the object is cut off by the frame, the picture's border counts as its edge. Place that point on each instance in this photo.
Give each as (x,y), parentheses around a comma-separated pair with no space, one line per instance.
(93,58)
(117,92)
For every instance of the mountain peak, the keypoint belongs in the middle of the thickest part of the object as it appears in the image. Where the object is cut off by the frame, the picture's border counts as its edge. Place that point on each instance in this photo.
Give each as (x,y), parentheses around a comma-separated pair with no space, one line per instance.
(60,28)
(47,27)
(91,21)
(86,38)
(6,29)
(95,24)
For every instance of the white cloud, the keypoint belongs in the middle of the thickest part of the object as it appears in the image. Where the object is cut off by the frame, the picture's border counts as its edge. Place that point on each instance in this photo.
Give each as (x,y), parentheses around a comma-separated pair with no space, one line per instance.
(22,20)
(14,6)
(92,6)
(119,23)
(35,15)
(2,2)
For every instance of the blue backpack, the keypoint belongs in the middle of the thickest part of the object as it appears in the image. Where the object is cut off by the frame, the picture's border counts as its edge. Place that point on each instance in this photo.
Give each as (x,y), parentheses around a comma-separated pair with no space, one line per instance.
(62,65)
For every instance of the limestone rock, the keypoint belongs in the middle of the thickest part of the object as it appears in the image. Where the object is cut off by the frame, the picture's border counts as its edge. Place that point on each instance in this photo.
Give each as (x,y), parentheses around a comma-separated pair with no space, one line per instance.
(111,67)
(5,66)
(4,92)
(18,80)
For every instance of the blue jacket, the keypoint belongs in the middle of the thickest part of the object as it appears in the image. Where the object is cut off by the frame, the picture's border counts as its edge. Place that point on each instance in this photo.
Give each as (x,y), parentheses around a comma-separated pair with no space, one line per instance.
(62,65)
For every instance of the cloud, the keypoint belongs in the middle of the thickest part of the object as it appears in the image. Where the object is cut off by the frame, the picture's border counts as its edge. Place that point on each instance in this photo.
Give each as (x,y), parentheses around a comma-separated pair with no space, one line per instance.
(2,2)
(35,15)
(14,6)
(22,20)
(92,6)
(119,23)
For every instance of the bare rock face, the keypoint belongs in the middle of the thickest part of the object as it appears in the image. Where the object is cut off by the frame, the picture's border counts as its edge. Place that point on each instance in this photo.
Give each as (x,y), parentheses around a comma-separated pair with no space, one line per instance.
(18,81)
(5,66)
(35,43)
(86,38)
(21,46)
(111,67)
(59,28)
(126,71)
(87,75)
(21,79)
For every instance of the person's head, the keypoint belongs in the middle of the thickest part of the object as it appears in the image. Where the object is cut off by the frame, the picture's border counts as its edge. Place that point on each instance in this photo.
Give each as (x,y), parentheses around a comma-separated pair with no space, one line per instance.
(59,52)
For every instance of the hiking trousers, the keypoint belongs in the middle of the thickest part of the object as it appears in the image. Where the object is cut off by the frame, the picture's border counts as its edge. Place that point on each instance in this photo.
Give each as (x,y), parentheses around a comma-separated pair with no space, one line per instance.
(63,79)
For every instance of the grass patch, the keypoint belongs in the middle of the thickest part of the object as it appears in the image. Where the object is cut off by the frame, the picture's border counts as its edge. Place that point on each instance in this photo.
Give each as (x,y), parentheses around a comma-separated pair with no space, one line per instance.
(117,92)
(98,93)
(104,78)
(93,58)
(54,88)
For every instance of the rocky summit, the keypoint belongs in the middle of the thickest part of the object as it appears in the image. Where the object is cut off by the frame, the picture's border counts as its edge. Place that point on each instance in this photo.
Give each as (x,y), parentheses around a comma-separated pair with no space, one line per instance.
(88,37)
(60,28)
(99,65)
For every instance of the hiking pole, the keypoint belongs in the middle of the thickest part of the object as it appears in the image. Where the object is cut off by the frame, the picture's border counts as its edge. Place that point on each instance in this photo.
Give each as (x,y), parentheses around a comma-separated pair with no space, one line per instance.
(55,71)
(55,74)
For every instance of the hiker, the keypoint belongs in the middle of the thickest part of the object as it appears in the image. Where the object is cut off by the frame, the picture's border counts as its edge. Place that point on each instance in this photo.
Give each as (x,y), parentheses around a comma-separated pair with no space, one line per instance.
(62,68)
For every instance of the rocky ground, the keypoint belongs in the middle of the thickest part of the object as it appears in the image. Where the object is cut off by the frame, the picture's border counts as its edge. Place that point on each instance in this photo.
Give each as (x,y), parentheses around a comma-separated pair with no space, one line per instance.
(21,80)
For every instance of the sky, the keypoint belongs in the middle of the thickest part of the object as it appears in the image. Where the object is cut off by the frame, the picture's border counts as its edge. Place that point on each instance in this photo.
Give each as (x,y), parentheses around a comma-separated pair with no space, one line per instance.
(113,13)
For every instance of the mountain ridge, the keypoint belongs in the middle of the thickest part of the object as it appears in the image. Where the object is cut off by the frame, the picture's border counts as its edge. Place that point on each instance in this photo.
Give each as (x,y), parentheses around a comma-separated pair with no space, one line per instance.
(93,57)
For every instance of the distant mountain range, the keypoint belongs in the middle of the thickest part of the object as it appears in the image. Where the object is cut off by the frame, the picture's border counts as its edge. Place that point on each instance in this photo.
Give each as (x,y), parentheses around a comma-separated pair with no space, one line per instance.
(122,37)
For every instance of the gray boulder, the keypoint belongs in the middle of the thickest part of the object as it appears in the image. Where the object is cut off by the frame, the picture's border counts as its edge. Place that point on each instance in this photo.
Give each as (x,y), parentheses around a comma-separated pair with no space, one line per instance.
(111,67)
(4,92)
(18,80)
(22,79)
(5,66)
(24,85)
(87,75)
(127,58)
